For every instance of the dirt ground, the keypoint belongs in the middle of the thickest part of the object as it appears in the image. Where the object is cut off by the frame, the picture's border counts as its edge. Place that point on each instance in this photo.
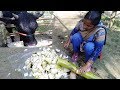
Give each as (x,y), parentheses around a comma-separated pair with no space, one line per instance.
(10,57)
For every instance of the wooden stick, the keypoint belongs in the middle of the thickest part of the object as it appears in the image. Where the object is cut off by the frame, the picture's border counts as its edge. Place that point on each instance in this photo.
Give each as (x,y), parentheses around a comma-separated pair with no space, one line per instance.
(59,21)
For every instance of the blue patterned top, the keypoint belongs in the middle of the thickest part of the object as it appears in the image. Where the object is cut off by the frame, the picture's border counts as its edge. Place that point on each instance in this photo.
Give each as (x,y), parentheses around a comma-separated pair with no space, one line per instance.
(98,38)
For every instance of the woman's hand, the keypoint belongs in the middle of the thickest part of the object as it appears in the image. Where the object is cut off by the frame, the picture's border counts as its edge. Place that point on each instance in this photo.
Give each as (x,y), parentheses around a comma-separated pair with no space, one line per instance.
(86,67)
(66,44)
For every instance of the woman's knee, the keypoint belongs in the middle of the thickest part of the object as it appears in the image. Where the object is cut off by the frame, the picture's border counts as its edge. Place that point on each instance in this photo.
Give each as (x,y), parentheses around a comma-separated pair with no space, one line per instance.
(89,47)
(76,37)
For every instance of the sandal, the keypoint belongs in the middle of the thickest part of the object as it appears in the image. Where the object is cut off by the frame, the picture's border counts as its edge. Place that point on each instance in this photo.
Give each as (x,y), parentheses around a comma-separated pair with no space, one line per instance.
(75,57)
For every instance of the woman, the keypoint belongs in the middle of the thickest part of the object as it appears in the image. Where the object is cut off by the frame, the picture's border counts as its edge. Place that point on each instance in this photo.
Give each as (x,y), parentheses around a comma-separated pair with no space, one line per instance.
(88,36)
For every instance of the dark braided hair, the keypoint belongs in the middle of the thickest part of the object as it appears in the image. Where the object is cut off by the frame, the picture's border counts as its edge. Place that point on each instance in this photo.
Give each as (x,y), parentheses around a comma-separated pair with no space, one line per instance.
(94,16)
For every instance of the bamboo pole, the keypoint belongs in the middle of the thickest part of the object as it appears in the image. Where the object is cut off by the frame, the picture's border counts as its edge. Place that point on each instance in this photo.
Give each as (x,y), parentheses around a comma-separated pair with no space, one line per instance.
(74,68)
(59,20)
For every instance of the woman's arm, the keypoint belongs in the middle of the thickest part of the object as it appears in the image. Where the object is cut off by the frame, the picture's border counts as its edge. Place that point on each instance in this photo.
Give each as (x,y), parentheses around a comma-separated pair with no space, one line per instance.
(99,43)
(75,30)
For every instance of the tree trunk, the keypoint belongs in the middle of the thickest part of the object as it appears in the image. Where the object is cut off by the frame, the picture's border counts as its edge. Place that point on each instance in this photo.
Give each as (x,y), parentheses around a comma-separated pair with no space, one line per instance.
(112,18)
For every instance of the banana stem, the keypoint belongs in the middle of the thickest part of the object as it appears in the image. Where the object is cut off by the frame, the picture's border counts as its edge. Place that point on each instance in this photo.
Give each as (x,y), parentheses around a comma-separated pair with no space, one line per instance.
(74,68)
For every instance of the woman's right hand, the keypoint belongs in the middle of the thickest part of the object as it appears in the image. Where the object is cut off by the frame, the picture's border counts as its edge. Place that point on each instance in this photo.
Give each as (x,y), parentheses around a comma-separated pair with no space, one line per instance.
(66,44)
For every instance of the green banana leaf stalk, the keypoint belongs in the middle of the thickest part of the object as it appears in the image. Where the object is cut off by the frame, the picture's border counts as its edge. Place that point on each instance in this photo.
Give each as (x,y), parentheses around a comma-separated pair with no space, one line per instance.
(74,68)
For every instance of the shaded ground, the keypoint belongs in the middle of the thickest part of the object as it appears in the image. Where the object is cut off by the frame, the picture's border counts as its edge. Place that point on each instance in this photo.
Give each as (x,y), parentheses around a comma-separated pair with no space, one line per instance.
(108,68)
(12,62)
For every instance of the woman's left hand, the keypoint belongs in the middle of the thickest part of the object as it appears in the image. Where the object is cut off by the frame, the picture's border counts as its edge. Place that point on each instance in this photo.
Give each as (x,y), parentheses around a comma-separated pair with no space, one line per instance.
(86,67)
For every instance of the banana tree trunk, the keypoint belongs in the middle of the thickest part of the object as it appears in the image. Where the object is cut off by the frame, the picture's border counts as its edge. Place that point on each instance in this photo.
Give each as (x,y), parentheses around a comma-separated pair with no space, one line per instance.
(74,68)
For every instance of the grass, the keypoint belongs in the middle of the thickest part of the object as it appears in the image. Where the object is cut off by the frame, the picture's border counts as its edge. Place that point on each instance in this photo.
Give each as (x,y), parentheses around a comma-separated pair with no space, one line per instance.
(117,23)
(109,67)
(44,28)
(111,56)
